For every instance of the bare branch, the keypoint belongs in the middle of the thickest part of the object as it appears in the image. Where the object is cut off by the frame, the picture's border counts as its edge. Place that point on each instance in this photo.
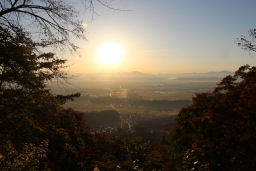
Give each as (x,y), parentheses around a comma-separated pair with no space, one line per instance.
(53,19)
(248,43)
(108,6)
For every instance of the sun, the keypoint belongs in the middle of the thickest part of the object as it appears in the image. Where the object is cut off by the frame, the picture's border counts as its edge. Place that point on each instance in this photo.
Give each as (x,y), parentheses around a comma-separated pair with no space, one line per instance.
(110,53)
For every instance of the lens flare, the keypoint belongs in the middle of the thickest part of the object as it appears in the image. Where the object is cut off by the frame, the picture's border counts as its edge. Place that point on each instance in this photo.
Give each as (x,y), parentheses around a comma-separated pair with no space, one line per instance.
(85,25)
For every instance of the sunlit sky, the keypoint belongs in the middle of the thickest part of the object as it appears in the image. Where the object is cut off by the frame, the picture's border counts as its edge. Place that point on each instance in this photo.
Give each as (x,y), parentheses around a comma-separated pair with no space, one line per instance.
(167,36)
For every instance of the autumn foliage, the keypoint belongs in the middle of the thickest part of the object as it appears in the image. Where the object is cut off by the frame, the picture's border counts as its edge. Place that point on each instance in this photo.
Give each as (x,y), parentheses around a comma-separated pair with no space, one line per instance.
(217,132)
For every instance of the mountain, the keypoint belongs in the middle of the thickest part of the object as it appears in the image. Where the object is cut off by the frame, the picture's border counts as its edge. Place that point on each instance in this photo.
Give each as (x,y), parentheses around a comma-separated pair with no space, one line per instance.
(139,76)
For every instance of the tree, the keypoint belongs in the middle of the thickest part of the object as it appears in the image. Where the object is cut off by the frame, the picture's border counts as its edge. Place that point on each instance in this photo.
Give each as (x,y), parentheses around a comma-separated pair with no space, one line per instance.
(31,114)
(217,132)
(53,21)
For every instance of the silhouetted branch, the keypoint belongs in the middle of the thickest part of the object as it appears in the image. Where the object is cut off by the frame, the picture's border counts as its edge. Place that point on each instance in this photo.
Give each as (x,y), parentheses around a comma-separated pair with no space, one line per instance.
(248,44)
(103,3)
(54,20)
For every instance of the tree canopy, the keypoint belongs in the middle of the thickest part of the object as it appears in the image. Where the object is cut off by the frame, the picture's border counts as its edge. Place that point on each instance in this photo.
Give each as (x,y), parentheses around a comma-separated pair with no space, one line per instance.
(217,132)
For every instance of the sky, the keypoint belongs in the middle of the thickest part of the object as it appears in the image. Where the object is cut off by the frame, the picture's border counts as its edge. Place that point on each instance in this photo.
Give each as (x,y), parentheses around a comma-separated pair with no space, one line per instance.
(167,36)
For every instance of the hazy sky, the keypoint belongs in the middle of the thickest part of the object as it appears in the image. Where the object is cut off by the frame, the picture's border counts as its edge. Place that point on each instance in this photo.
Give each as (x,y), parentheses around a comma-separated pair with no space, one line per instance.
(168,36)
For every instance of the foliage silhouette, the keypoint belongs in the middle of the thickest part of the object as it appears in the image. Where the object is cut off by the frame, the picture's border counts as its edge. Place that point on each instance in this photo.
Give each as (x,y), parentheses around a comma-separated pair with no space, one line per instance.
(32,115)
(217,132)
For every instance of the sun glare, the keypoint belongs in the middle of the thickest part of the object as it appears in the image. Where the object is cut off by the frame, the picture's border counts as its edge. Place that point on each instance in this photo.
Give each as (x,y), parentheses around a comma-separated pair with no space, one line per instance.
(110,53)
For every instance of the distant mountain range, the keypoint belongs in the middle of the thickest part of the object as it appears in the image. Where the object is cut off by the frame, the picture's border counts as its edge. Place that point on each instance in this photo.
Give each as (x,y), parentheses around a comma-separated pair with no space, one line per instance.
(135,75)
